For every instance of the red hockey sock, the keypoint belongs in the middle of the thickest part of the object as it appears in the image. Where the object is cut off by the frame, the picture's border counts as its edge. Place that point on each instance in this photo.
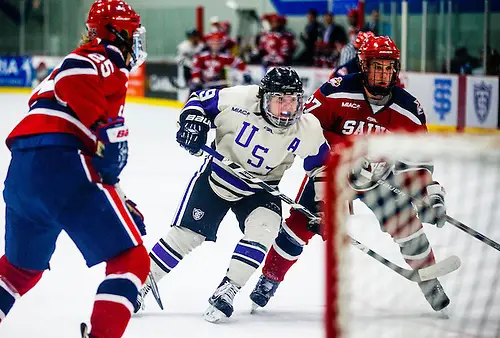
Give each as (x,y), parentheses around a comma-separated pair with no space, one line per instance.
(14,282)
(125,275)
(276,266)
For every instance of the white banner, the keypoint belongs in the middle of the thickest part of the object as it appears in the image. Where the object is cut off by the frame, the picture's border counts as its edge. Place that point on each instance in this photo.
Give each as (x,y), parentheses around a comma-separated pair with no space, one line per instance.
(438,95)
(482,102)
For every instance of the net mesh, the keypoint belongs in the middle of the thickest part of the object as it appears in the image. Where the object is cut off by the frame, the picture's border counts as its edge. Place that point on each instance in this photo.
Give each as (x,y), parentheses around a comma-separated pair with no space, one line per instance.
(367,299)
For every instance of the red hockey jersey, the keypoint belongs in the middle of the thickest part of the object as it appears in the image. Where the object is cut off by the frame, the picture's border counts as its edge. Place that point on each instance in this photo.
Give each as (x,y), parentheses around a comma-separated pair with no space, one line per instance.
(343,109)
(209,67)
(277,48)
(89,86)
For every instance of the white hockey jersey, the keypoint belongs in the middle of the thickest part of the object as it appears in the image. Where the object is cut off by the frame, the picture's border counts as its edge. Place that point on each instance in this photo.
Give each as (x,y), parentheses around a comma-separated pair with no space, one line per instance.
(245,137)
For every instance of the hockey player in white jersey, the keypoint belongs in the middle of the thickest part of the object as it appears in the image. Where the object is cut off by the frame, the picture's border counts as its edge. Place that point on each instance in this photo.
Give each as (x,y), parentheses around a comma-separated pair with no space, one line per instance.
(262,129)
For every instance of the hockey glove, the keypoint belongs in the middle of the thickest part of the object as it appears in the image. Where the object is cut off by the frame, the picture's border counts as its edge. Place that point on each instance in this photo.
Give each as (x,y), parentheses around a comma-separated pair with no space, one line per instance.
(136,216)
(315,226)
(193,130)
(247,79)
(434,212)
(112,150)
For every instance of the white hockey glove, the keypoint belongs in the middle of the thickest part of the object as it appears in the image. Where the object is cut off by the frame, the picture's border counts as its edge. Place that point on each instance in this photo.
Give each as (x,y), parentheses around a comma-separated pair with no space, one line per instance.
(434,211)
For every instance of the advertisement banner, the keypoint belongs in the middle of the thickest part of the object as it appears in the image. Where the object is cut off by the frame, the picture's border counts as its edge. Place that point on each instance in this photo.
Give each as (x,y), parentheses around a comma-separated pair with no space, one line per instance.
(482,102)
(161,80)
(438,94)
(136,82)
(16,71)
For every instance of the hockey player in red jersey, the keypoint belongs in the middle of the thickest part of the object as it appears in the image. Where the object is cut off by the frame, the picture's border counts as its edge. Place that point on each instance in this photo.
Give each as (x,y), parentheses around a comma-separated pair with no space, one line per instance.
(67,154)
(359,104)
(209,67)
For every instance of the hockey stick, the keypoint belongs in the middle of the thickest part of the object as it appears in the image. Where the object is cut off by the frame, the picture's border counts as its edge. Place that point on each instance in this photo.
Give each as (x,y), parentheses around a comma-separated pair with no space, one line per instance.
(449,219)
(439,269)
(154,286)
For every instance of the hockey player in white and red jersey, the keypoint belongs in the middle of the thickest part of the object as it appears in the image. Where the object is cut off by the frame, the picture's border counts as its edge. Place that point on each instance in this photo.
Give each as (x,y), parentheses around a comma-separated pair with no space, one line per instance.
(262,129)
(67,154)
(209,66)
(360,104)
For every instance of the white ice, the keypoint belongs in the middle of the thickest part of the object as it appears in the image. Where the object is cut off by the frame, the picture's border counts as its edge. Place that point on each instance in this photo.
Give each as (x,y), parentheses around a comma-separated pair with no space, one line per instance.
(383,304)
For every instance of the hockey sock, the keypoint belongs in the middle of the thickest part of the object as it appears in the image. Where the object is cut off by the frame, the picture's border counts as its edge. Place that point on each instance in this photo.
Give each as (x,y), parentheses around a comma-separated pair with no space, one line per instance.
(116,295)
(246,258)
(416,250)
(14,282)
(282,255)
(170,250)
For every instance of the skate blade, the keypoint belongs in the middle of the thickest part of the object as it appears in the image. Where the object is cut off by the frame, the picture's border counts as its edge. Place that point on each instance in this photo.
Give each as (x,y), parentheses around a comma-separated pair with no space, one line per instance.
(213,315)
(84,330)
(254,308)
(444,314)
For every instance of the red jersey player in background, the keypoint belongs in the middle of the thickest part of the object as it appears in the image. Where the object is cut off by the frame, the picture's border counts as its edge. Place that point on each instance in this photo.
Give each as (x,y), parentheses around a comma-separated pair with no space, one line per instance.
(277,46)
(361,104)
(209,67)
(67,154)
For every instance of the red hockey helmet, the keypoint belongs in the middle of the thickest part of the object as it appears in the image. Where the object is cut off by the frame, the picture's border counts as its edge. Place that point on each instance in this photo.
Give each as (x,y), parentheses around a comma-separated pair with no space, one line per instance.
(114,13)
(379,48)
(360,38)
(117,22)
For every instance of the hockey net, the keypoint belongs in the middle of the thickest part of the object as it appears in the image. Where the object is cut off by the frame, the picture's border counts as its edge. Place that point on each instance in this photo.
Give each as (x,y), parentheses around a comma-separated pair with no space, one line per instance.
(364,298)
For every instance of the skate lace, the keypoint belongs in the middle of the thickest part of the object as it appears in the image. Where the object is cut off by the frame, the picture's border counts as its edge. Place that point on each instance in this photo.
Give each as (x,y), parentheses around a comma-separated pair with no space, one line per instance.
(228,291)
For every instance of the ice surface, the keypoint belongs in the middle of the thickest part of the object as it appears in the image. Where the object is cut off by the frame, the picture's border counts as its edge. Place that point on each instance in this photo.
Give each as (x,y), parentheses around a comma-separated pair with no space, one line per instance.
(383,304)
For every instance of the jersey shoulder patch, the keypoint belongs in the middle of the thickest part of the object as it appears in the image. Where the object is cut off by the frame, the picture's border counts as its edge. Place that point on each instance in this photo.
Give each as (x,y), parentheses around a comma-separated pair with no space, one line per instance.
(350,83)
(409,103)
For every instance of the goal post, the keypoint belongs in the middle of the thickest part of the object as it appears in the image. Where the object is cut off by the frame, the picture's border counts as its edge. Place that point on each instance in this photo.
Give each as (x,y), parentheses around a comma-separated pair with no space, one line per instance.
(366,299)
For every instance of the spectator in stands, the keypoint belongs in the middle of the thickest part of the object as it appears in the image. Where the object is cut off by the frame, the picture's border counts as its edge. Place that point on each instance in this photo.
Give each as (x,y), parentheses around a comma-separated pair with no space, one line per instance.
(187,49)
(333,32)
(277,46)
(324,55)
(462,62)
(352,19)
(312,32)
(373,24)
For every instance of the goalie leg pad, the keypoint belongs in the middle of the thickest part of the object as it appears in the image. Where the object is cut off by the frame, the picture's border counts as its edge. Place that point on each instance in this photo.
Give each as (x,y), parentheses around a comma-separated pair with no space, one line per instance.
(261,227)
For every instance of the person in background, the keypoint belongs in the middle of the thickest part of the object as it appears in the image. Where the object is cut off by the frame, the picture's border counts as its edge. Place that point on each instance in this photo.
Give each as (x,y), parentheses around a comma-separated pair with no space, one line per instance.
(352,19)
(324,56)
(373,25)
(186,50)
(277,46)
(333,33)
(312,32)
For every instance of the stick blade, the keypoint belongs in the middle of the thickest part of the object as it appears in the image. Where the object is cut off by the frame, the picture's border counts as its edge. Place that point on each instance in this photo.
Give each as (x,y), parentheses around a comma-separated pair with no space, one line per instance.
(440,269)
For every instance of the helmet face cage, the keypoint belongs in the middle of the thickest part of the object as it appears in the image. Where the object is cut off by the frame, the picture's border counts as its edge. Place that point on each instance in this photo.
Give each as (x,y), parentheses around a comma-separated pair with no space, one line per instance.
(373,50)
(117,22)
(374,69)
(281,96)
(138,54)
(282,110)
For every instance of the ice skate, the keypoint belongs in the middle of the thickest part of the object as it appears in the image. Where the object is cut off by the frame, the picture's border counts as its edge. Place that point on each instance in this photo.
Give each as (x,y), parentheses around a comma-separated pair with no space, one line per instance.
(262,292)
(221,302)
(435,295)
(141,296)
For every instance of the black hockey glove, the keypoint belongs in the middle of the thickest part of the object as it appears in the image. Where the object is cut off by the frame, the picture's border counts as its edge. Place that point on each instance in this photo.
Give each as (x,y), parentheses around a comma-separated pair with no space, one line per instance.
(193,130)
(434,211)
(112,150)
(316,226)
